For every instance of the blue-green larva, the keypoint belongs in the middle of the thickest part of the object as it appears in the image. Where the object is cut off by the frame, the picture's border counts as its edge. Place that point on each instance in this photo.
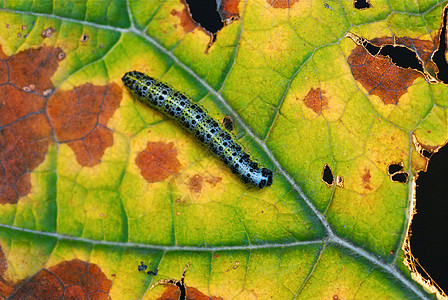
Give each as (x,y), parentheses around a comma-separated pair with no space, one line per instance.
(195,120)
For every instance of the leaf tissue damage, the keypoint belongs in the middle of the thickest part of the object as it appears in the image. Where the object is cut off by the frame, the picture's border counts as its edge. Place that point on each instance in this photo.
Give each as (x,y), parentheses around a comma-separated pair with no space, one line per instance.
(396,173)
(178,290)
(172,293)
(315,99)
(387,66)
(32,116)
(327,175)
(211,16)
(362,4)
(158,161)
(74,279)
(281,3)
(372,66)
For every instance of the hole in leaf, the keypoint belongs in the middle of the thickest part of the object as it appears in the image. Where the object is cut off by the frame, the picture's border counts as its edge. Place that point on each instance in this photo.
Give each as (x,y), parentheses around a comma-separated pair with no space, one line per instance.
(436,69)
(401,56)
(400,177)
(340,181)
(394,168)
(362,4)
(439,56)
(84,38)
(205,13)
(327,176)
(430,224)
(378,73)
(426,153)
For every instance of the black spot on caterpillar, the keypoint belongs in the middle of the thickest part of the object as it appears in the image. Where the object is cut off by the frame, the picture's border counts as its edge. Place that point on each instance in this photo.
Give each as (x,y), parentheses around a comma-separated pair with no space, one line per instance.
(195,120)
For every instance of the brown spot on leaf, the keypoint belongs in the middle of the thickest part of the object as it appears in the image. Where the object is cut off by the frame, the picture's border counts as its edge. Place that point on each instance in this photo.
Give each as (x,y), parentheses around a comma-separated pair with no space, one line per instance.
(23,145)
(282,3)
(74,279)
(366,179)
(79,118)
(26,104)
(424,49)
(25,128)
(158,161)
(316,100)
(6,288)
(4,71)
(25,132)
(379,75)
(33,66)
(185,18)
(229,10)
(173,293)
(3,263)
(195,183)
(43,285)
(213,181)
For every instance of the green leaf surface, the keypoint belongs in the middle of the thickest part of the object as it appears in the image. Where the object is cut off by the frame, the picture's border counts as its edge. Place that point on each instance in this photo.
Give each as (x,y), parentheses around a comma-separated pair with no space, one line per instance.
(94,182)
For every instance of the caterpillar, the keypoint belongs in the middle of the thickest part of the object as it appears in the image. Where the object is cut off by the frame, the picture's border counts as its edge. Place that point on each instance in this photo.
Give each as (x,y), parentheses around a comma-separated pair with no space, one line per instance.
(195,120)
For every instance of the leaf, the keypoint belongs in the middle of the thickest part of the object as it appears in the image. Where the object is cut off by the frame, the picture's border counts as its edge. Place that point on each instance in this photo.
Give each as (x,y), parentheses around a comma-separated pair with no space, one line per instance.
(96,185)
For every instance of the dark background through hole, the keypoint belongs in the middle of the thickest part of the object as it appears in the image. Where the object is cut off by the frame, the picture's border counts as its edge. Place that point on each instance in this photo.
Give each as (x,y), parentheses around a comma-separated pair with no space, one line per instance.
(205,13)
(429,239)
